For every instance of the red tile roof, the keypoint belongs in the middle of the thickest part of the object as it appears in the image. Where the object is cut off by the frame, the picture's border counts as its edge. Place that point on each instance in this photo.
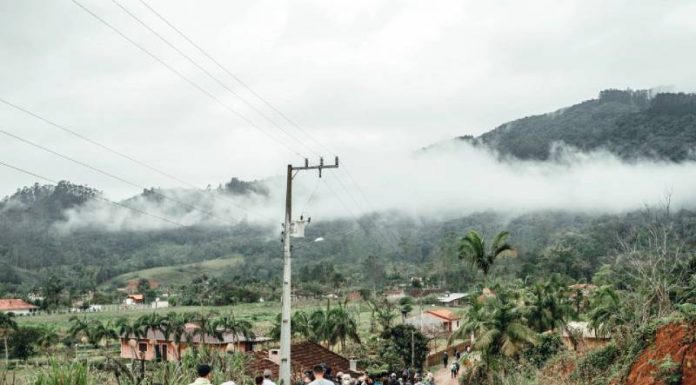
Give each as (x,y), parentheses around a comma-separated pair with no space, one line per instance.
(15,304)
(303,356)
(445,314)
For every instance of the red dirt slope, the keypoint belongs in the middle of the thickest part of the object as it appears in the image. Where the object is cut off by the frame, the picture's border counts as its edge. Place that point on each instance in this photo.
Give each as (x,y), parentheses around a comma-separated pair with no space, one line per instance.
(677,341)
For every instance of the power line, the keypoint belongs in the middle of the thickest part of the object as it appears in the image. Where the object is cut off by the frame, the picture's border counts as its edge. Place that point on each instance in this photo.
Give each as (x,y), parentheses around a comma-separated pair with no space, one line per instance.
(352,214)
(116,152)
(311,196)
(186,79)
(210,75)
(96,196)
(258,96)
(113,176)
(293,123)
(231,74)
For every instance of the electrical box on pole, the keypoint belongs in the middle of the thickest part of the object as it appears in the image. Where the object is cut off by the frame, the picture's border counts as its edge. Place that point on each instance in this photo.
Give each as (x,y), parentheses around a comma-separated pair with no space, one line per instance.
(291,230)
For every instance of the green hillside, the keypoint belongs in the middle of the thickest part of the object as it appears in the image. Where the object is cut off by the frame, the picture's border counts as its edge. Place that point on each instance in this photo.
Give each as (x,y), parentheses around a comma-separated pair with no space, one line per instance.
(172,275)
(630,124)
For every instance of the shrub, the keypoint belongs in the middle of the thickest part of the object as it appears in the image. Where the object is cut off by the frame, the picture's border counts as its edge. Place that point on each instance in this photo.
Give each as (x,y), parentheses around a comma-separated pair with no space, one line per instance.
(549,345)
(593,367)
(64,374)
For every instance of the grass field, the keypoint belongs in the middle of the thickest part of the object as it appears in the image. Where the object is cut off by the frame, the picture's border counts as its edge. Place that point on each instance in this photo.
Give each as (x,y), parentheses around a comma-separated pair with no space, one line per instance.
(261,314)
(168,275)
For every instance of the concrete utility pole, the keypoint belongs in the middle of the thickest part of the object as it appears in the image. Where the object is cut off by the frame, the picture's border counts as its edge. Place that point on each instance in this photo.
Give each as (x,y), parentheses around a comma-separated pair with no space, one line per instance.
(285,331)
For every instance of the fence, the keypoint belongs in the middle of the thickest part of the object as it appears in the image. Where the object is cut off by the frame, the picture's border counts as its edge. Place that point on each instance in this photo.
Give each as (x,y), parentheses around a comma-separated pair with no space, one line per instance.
(436,358)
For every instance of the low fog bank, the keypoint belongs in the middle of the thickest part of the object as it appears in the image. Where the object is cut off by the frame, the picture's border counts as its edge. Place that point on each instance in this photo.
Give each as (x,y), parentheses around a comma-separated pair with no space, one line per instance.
(450,181)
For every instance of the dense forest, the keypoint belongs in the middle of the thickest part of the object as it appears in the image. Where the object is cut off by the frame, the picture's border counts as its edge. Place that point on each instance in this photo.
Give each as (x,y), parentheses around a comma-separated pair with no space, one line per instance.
(629,124)
(379,251)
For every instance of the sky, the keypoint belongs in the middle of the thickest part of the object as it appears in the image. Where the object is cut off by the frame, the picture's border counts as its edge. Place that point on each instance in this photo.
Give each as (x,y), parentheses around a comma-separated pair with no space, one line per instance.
(371,81)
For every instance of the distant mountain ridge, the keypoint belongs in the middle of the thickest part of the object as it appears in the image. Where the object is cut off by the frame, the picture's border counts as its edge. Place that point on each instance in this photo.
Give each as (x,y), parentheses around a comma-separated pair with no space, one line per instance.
(632,124)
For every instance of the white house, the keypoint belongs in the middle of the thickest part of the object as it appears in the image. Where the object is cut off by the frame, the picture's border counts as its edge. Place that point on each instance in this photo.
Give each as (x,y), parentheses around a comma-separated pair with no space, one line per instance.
(452,299)
(17,306)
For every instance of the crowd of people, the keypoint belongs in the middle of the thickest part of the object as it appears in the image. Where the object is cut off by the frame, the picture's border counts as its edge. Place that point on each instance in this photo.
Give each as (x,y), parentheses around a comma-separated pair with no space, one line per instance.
(321,374)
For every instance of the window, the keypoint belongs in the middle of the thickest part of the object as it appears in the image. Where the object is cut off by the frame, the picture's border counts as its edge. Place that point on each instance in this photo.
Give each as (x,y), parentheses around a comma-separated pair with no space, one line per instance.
(142,347)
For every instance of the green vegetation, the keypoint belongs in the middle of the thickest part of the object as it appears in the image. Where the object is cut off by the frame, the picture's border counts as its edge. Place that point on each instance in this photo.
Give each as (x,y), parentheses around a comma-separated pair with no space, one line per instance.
(630,124)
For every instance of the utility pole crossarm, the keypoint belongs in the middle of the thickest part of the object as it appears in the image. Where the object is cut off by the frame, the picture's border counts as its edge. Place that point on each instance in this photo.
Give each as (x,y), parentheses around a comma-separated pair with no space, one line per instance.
(285,326)
(319,167)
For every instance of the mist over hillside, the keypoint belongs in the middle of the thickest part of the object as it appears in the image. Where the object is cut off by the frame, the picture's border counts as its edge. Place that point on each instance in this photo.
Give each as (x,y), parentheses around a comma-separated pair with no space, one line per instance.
(632,125)
(583,182)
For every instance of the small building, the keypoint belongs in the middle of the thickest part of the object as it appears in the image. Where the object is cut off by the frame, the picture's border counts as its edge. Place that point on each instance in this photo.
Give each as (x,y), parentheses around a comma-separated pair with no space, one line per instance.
(452,299)
(155,346)
(17,306)
(303,356)
(450,321)
(159,304)
(134,299)
(587,338)
(435,322)
(427,324)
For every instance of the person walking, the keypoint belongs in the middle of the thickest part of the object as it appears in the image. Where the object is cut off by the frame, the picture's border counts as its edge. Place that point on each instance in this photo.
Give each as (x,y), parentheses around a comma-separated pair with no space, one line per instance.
(445,359)
(267,374)
(203,371)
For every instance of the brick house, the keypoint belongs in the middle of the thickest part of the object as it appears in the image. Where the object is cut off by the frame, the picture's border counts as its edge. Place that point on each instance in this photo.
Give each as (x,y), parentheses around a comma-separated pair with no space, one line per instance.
(155,346)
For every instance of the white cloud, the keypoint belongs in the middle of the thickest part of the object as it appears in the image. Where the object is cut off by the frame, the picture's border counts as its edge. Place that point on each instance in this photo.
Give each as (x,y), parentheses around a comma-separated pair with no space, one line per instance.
(371,80)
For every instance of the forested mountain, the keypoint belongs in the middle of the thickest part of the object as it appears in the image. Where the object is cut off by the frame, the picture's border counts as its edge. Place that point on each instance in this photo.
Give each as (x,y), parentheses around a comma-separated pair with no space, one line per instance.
(39,237)
(630,124)
(383,249)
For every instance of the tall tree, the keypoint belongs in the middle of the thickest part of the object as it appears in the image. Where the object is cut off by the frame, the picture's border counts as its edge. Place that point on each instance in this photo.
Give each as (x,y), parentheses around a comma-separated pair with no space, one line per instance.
(7,324)
(499,326)
(473,247)
(341,326)
(230,324)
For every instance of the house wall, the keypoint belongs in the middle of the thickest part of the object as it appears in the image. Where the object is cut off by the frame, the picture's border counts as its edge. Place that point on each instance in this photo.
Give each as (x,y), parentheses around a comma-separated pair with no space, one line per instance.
(133,353)
(586,344)
(436,358)
(19,312)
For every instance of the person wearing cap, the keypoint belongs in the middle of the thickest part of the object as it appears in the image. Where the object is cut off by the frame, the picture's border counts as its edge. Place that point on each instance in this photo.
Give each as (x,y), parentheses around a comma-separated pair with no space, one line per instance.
(203,375)
(267,374)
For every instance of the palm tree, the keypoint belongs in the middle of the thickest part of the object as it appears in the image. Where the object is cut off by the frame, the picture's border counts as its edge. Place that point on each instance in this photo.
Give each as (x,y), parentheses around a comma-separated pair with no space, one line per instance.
(301,324)
(341,326)
(205,327)
(230,324)
(102,332)
(173,326)
(7,323)
(606,313)
(80,327)
(548,306)
(319,324)
(127,329)
(473,247)
(498,325)
(49,336)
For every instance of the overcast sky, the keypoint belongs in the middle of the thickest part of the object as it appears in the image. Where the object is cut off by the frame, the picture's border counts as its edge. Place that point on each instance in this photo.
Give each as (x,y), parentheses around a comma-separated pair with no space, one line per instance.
(367,79)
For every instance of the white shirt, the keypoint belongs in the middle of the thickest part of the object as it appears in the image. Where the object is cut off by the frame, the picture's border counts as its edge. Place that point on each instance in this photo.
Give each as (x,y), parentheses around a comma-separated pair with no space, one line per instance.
(266,381)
